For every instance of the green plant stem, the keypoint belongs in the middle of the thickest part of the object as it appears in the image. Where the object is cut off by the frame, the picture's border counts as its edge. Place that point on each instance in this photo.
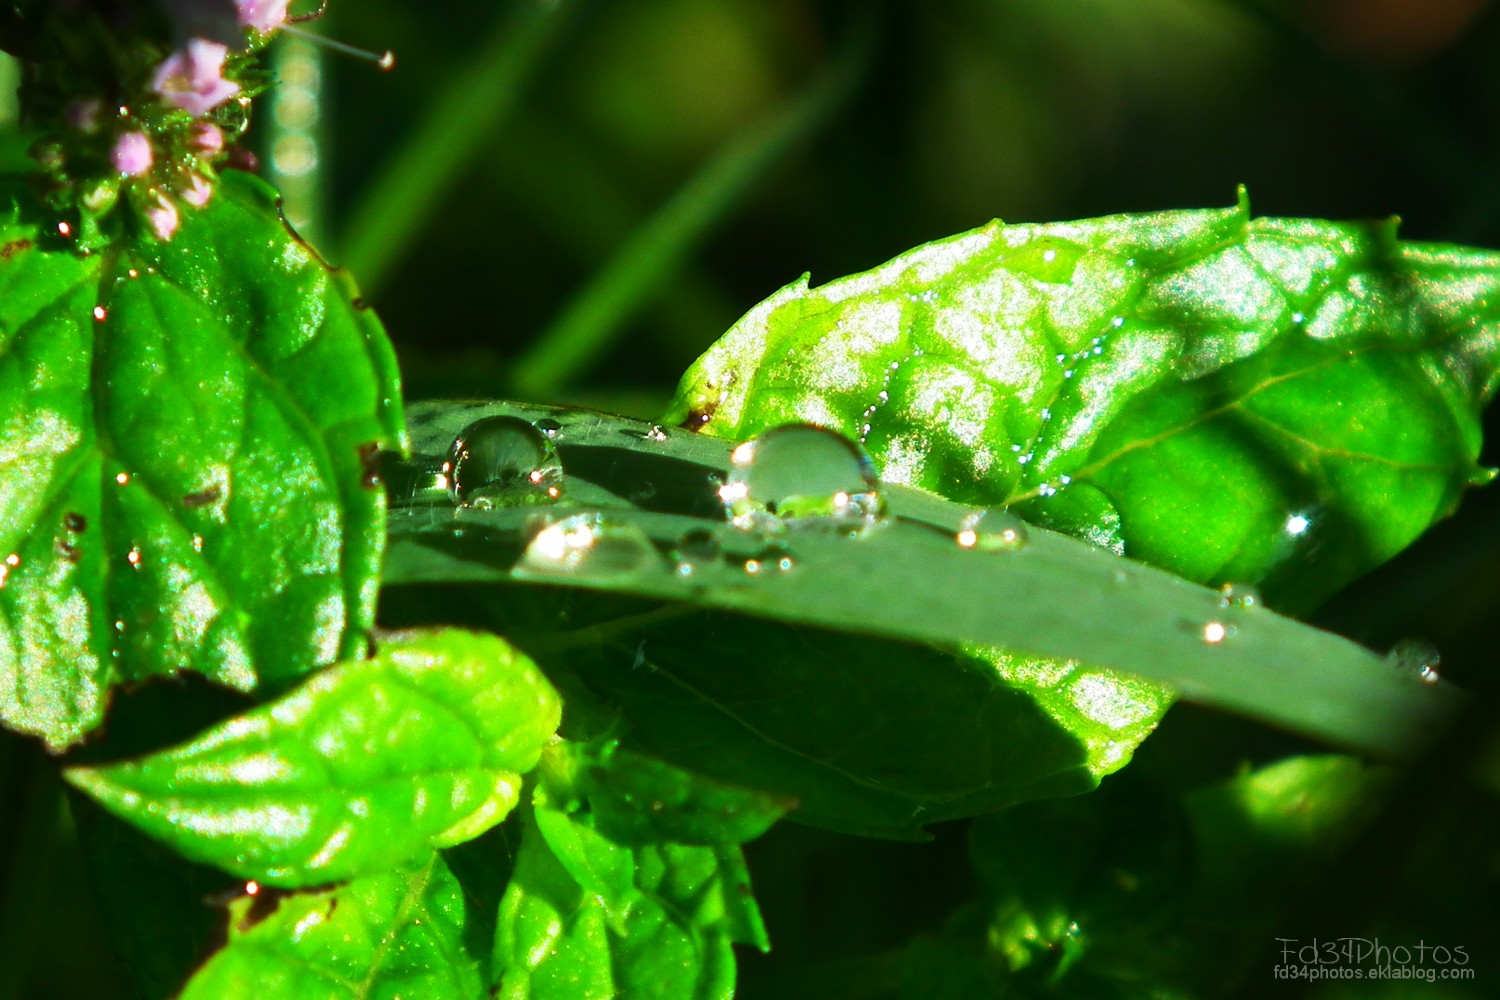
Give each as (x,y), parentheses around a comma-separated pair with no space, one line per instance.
(400,201)
(639,267)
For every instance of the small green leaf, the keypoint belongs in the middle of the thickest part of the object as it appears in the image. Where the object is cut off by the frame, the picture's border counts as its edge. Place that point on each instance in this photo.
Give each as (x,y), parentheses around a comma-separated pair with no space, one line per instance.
(639,800)
(366,765)
(1274,401)
(391,934)
(186,432)
(585,917)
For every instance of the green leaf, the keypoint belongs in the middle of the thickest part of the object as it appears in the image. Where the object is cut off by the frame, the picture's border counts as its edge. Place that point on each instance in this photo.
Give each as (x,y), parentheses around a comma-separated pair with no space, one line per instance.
(1274,401)
(367,765)
(185,453)
(886,680)
(391,934)
(585,917)
(638,800)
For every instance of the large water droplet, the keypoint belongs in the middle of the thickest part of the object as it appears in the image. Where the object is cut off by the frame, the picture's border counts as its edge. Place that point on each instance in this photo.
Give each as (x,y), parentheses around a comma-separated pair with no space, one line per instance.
(995,530)
(589,544)
(1214,633)
(503,462)
(1239,595)
(801,475)
(1416,657)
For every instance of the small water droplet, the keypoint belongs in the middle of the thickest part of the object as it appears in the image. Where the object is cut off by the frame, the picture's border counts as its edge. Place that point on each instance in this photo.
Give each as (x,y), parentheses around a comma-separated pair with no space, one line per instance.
(100,314)
(197,543)
(1117,322)
(503,461)
(1239,595)
(656,433)
(994,530)
(75,522)
(588,544)
(801,475)
(549,427)
(134,557)
(1297,524)
(695,551)
(122,478)
(1215,633)
(1416,657)
(1298,318)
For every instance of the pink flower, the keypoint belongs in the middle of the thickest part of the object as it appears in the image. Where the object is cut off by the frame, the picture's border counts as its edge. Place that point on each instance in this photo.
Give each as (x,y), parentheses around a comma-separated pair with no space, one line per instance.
(262,15)
(199,189)
(192,78)
(162,217)
(131,154)
(206,137)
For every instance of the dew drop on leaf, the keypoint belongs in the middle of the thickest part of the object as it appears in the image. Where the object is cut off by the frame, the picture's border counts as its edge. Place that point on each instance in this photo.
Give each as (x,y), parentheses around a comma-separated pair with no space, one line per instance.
(801,475)
(549,427)
(503,461)
(1416,657)
(995,530)
(1214,633)
(588,544)
(695,551)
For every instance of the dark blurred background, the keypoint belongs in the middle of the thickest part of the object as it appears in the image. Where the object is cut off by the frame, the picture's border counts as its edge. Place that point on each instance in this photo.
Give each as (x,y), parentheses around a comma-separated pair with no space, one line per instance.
(570,200)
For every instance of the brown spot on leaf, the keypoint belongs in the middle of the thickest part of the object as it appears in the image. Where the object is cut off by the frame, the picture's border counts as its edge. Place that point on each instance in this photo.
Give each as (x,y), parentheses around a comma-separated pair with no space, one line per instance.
(369,460)
(74,521)
(203,497)
(9,250)
(68,551)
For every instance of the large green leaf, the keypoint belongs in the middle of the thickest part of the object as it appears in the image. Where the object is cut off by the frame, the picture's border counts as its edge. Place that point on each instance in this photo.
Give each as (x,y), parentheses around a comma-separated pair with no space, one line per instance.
(585,917)
(186,433)
(367,765)
(888,679)
(1272,401)
(392,934)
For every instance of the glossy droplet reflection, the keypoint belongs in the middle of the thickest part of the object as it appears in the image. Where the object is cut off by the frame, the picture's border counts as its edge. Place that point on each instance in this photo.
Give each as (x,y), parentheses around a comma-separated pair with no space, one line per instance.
(801,475)
(1416,657)
(995,530)
(503,462)
(588,544)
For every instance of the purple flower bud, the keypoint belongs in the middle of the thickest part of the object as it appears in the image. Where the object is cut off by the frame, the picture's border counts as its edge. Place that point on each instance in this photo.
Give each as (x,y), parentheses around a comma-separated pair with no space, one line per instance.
(262,15)
(206,137)
(192,77)
(162,217)
(199,189)
(131,154)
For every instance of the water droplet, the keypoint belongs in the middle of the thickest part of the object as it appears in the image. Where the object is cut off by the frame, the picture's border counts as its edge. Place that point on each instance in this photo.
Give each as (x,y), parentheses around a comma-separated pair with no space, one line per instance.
(551,428)
(503,462)
(197,543)
(100,314)
(122,478)
(1046,258)
(1215,633)
(801,475)
(134,557)
(995,530)
(1416,657)
(1297,524)
(656,433)
(1117,322)
(1298,318)
(588,544)
(75,522)
(695,551)
(1239,595)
